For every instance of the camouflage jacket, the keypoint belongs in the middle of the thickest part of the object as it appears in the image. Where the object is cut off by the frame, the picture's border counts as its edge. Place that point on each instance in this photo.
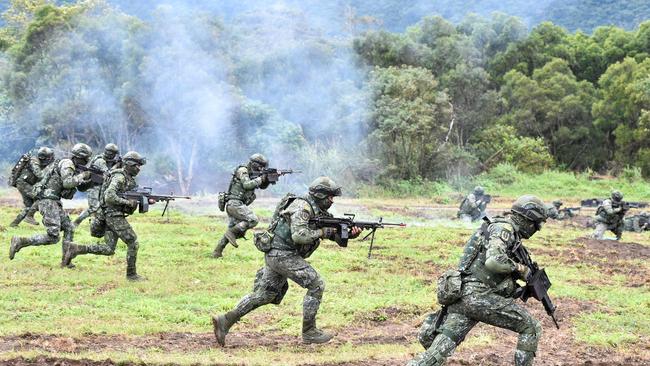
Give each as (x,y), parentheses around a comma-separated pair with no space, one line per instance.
(293,234)
(609,213)
(59,181)
(100,162)
(242,187)
(472,205)
(486,262)
(119,181)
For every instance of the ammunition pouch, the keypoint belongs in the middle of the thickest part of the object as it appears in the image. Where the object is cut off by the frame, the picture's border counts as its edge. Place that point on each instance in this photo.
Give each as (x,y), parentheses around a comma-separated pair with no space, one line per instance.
(221,201)
(97,227)
(262,241)
(449,287)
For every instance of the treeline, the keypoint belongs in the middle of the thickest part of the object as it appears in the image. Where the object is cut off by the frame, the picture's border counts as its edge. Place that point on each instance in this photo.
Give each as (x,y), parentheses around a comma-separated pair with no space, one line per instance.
(452,99)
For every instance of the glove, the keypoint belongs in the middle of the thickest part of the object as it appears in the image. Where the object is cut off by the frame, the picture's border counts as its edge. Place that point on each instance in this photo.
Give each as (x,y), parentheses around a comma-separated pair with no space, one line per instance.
(523,270)
(83,177)
(132,204)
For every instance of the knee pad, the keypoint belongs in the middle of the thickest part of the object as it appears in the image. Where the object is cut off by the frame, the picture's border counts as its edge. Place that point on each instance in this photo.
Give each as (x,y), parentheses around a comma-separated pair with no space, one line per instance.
(529,338)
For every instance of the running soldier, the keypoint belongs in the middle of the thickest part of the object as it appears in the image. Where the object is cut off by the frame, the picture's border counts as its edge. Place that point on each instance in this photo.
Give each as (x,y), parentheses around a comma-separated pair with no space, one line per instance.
(24,179)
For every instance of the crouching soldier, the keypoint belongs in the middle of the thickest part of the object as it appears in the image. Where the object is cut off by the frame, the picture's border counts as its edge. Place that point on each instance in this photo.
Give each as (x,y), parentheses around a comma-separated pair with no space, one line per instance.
(287,243)
(110,220)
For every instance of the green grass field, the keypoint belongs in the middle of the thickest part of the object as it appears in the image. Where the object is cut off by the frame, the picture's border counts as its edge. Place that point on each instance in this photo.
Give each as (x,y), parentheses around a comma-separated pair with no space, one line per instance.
(92,312)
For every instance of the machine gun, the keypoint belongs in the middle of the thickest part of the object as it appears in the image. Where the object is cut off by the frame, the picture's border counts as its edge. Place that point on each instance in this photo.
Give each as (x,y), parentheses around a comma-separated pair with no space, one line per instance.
(96,175)
(272,174)
(344,224)
(537,282)
(144,197)
(595,202)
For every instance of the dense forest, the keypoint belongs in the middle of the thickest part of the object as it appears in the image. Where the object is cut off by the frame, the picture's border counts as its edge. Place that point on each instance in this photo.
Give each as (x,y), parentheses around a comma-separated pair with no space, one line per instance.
(367,91)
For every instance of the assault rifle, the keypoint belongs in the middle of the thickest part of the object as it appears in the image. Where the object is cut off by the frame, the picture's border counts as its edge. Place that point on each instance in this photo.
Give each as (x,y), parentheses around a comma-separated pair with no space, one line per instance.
(144,197)
(272,174)
(344,224)
(595,202)
(96,175)
(537,282)
(569,210)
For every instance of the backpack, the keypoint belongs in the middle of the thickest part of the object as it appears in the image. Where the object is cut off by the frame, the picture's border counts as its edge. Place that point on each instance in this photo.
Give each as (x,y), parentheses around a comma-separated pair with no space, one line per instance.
(18,168)
(263,239)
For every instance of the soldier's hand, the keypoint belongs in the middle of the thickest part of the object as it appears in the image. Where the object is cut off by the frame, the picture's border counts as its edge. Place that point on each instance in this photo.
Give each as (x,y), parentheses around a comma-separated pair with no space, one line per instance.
(523,270)
(618,209)
(133,204)
(355,232)
(151,201)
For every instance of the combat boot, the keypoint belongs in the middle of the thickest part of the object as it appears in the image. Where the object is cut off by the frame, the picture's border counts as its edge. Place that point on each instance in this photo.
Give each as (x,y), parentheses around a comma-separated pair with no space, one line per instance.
(16,244)
(71,252)
(16,222)
(218,250)
(131,273)
(30,220)
(221,325)
(231,236)
(315,336)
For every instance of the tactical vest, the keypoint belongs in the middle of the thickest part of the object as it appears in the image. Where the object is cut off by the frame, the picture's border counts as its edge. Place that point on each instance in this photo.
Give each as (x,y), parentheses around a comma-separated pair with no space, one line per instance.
(130,185)
(281,229)
(236,189)
(604,217)
(472,263)
(51,186)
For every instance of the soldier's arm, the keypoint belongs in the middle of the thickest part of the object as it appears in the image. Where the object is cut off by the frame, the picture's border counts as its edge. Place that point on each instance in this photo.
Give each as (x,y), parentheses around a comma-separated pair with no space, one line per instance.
(116,184)
(301,233)
(607,206)
(68,178)
(248,183)
(497,259)
(35,167)
(471,199)
(100,164)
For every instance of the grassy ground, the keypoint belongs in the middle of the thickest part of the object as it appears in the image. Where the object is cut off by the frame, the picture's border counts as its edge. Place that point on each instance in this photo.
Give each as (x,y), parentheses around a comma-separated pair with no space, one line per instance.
(374,305)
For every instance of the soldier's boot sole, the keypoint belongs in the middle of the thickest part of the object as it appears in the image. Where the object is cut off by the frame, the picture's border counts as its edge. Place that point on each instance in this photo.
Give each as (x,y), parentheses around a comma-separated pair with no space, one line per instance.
(220,327)
(232,239)
(316,336)
(217,253)
(30,220)
(14,247)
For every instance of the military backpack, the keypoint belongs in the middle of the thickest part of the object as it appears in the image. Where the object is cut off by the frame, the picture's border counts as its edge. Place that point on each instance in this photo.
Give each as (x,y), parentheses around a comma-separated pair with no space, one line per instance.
(18,168)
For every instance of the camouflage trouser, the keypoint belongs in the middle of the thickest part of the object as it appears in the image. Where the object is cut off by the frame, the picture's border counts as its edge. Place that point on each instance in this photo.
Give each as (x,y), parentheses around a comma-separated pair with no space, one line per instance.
(54,220)
(92,196)
(116,227)
(488,308)
(602,227)
(241,216)
(271,285)
(29,209)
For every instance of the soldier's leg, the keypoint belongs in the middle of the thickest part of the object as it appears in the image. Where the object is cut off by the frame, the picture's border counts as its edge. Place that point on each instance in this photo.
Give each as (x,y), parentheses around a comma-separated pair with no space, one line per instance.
(618,231)
(452,333)
(242,218)
(107,248)
(301,272)
(269,288)
(93,205)
(52,213)
(600,230)
(505,313)
(124,231)
(68,236)
(27,213)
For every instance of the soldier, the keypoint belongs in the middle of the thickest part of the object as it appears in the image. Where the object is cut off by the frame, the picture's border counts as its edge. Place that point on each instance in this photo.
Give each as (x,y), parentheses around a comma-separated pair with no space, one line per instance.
(104,163)
(637,223)
(473,206)
(29,175)
(241,193)
(609,216)
(59,181)
(487,273)
(110,220)
(292,241)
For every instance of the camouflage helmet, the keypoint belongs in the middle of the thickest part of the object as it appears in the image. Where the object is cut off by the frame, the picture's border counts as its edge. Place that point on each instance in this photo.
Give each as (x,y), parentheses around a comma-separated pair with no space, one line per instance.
(81,151)
(557,203)
(45,153)
(617,196)
(323,187)
(111,149)
(259,159)
(531,208)
(133,158)
(479,190)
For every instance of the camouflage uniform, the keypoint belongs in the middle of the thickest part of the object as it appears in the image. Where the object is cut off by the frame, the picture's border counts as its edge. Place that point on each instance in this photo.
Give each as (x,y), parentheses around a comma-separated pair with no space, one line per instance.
(488,287)
(59,181)
(473,206)
(609,216)
(30,175)
(110,220)
(637,223)
(293,241)
(104,163)
(241,193)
